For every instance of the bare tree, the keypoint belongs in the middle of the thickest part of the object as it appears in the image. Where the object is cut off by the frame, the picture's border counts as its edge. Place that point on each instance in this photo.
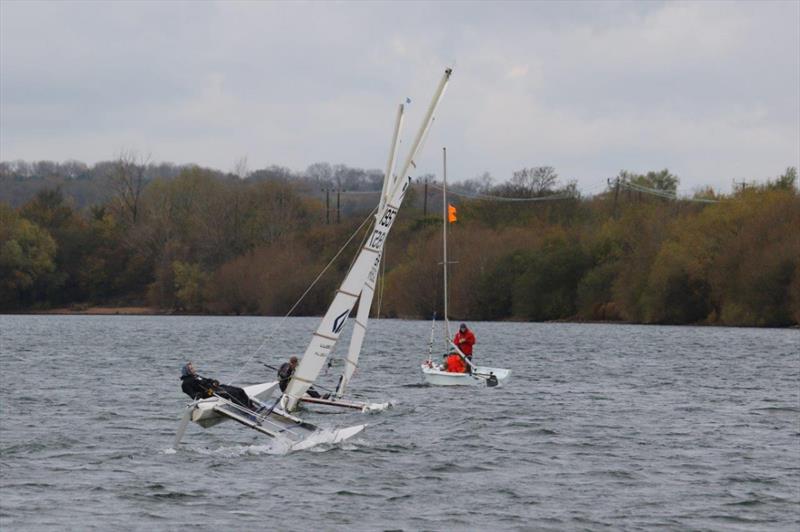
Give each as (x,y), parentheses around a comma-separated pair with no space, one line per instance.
(240,168)
(128,179)
(535,181)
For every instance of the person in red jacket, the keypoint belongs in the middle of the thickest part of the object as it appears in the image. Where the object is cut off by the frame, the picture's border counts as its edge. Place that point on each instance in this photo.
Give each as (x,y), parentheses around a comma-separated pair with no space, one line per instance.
(454,363)
(465,339)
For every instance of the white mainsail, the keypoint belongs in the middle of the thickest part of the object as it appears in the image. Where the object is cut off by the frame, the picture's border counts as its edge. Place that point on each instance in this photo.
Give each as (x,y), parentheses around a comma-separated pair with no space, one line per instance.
(367,262)
(357,337)
(368,290)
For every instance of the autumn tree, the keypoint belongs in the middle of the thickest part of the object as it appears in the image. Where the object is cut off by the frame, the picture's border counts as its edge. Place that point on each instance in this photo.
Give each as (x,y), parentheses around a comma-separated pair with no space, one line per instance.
(27,259)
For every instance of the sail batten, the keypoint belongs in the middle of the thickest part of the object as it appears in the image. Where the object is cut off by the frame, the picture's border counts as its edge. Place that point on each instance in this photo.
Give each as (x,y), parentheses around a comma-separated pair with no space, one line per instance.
(348,293)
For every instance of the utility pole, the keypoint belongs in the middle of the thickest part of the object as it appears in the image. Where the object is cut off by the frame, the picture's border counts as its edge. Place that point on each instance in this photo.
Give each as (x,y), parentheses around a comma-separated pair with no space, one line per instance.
(425,200)
(338,212)
(742,185)
(616,193)
(327,206)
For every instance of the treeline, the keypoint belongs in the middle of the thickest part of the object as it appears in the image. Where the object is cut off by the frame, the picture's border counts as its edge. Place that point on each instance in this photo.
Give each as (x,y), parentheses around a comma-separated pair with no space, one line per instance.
(97,184)
(198,240)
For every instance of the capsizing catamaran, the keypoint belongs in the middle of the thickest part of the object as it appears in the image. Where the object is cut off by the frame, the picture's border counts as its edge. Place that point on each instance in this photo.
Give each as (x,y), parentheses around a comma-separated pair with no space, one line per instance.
(276,420)
(291,432)
(432,372)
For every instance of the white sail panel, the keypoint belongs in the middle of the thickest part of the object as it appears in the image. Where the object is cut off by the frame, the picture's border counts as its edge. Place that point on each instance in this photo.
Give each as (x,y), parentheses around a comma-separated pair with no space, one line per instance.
(359,329)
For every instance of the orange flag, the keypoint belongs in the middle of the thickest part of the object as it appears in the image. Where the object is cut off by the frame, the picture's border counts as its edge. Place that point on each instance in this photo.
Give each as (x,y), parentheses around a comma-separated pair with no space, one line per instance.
(451,213)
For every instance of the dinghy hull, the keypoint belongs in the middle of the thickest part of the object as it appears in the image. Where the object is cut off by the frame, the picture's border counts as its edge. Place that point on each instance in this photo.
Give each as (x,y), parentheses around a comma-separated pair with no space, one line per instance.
(479,377)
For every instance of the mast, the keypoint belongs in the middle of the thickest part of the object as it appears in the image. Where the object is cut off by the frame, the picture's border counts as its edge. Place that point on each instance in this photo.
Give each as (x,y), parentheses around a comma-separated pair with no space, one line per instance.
(368,289)
(444,243)
(327,333)
(388,179)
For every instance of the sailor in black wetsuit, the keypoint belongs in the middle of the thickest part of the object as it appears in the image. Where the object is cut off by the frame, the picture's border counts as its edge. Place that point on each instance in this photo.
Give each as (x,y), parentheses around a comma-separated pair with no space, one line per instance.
(198,387)
(285,373)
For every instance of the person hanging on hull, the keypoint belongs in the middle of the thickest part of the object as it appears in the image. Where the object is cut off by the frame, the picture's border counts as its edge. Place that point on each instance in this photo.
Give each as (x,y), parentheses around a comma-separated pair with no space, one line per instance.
(198,387)
(285,373)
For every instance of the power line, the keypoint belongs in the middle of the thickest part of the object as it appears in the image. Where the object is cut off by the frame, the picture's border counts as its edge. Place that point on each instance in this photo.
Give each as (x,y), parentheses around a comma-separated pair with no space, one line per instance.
(666,194)
(553,197)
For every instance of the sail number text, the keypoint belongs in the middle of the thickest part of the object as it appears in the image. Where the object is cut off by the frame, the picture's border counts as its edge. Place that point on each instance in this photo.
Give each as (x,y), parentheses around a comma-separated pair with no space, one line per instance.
(382,230)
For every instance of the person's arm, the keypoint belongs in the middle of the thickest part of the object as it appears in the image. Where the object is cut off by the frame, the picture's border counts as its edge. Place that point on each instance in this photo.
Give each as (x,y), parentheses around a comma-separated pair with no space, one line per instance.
(208,385)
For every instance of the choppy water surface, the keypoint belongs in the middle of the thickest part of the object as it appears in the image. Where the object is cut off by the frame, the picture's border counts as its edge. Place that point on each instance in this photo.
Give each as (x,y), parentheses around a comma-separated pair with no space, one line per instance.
(600,426)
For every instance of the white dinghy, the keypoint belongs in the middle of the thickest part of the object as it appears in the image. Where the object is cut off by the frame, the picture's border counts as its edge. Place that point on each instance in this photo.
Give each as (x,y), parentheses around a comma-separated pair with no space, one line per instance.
(436,374)
(481,376)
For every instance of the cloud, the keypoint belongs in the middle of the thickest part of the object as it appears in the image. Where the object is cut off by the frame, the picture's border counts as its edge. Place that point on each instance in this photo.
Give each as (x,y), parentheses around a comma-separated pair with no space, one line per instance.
(707,89)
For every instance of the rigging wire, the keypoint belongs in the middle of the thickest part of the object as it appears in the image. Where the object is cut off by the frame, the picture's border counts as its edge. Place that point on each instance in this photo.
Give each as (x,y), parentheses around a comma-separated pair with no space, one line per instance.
(277,327)
(663,193)
(557,197)
(503,198)
(358,192)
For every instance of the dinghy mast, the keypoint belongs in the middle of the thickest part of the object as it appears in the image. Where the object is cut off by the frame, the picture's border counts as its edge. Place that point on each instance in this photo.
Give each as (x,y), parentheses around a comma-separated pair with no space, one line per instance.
(325,337)
(445,221)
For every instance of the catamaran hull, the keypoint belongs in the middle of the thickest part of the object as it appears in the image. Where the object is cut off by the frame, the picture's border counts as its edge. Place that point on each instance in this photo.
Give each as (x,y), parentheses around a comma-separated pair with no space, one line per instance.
(206,415)
(479,377)
(295,434)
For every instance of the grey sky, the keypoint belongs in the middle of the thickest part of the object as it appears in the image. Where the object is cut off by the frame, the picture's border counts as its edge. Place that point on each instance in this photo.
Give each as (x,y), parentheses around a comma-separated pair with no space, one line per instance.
(710,90)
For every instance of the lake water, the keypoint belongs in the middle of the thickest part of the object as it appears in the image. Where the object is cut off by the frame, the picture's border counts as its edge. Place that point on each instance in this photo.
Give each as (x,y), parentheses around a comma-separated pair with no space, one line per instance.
(600,427)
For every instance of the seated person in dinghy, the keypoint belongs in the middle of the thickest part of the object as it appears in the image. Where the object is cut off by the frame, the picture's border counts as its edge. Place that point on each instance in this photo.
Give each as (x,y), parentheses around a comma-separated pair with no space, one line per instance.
(453,363)
(198,387)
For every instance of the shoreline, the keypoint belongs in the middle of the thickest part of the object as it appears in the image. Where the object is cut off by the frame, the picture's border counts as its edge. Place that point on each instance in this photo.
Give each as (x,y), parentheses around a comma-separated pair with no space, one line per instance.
(151,311)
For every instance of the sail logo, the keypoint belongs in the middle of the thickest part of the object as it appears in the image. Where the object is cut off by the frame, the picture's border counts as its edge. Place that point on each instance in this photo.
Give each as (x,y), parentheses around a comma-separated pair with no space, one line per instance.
(338,323)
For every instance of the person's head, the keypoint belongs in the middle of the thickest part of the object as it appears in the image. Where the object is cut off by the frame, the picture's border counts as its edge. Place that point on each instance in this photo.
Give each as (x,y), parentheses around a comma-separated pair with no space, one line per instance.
(463,327)
(293,361)
(188,370)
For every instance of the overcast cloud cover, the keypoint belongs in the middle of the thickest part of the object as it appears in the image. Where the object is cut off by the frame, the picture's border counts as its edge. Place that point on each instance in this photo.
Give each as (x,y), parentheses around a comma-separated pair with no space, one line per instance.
(710,90)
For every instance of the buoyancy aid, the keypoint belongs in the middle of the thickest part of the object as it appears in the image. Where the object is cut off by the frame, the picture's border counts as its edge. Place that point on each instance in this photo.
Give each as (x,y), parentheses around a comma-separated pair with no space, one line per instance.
(454,364)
